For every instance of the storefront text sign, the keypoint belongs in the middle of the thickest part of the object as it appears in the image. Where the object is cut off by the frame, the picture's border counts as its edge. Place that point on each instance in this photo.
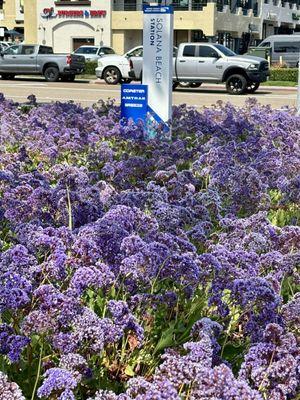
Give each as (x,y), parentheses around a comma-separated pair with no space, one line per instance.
(158,61)
(134,102)
(50,13)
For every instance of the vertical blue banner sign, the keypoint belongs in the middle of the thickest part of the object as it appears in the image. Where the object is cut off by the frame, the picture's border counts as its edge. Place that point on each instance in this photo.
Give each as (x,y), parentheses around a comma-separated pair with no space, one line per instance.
(134,102)
(158,61)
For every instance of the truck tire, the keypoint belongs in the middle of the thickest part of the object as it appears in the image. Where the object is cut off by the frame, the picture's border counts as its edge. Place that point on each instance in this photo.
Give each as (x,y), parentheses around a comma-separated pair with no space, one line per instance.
(51,74)
(252,87)
(126,80)
(175,84)
(7,76)
(112,75)
(236,84)
(195,84)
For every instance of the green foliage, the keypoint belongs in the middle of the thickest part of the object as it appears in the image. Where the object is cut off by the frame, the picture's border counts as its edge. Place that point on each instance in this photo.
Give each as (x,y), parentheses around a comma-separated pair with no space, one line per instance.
(284,74)
(90,67)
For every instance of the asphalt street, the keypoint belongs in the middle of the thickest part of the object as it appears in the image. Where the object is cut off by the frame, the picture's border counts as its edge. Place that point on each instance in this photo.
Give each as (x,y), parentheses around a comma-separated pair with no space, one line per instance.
(88,92)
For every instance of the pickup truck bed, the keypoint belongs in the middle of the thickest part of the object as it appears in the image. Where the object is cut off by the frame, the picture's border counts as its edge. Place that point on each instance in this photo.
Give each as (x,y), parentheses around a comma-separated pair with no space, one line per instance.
(39,60)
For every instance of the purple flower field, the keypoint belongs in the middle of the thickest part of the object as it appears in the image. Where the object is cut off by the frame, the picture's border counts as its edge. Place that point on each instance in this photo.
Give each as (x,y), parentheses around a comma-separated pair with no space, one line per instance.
(149,270)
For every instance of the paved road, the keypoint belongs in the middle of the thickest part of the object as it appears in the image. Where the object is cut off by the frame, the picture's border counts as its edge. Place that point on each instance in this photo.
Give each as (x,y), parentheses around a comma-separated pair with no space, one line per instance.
(88,93)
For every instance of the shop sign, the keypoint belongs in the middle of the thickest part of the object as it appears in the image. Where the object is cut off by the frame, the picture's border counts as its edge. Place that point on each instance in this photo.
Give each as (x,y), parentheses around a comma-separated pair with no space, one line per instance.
(50,13)
(158,61)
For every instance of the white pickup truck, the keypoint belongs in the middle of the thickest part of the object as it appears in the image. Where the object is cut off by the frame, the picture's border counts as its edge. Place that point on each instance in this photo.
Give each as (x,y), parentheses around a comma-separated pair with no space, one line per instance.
(214,63)
(115,68)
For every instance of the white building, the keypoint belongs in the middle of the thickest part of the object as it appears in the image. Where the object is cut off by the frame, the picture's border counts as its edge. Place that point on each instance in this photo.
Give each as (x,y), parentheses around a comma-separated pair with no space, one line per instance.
(66,25)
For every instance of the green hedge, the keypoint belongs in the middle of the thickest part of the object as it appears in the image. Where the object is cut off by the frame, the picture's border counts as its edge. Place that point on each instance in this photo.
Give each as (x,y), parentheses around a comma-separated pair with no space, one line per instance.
(90,67)
(284,74)
(277,74)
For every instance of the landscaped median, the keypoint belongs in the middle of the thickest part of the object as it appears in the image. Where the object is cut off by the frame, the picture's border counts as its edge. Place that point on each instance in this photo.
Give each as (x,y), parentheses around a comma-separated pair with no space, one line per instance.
(137,269)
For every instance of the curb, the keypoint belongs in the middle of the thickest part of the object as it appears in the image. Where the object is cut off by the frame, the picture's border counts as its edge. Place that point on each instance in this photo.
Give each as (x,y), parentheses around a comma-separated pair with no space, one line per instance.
(262,87)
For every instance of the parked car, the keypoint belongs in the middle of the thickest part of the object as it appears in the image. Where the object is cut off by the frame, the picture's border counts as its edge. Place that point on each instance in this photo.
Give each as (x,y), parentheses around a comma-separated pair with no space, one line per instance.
(208,62)
(115,68)
(285,47)
(93,53)
(39,60)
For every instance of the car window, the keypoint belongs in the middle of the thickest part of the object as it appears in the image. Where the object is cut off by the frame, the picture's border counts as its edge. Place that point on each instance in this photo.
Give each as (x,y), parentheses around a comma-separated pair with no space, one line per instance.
(225,50)
(106,50)
(286,47)
(189,51)
(12,50)
(207,51)
(79,51)
(45,50)
(265,44)
(27,50)
(136,52)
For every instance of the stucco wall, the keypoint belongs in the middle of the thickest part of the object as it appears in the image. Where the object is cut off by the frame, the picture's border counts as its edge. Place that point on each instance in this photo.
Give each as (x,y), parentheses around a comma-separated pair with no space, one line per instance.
(59,32)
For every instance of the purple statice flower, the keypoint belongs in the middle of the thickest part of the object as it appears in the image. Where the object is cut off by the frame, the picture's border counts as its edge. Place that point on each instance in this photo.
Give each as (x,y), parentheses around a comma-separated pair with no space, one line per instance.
(64,342)
(258,299)
(55,265)
(109,395)
(220,383)
(9,390)
(64,307)
(272,365)
(57,380)
(15,291)
(183,369)
(10,344)
(39,322)
(124,320)
(76,364)
(213,329)
(17,259)
(160,389)
(94,277)
(92,332)
(291,313)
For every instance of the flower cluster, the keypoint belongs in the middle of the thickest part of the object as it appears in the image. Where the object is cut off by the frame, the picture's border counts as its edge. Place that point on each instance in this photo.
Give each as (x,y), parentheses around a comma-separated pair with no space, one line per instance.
(137,268)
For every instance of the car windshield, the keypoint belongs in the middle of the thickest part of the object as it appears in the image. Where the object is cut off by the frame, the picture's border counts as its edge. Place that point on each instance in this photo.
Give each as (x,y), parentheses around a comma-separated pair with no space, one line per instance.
(86,50)
(227,52)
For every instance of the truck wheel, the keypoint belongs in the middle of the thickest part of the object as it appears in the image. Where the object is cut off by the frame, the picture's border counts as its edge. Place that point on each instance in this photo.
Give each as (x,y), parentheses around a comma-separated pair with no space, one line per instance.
(8,76)
(236,84)
(51,74)
(112,76)
(252,87)
(124,80)
(195,84)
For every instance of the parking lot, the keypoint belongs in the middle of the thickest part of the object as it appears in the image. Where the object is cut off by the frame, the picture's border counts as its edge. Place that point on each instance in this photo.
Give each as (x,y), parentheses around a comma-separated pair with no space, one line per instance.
(88,92)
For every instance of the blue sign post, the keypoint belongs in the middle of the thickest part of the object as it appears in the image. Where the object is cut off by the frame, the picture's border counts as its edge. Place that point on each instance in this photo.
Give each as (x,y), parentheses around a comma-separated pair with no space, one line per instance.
(134,102)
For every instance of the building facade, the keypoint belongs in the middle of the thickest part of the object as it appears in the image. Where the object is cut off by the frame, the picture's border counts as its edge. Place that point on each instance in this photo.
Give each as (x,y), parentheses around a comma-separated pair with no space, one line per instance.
(67,24)
(11,17)
(234,23)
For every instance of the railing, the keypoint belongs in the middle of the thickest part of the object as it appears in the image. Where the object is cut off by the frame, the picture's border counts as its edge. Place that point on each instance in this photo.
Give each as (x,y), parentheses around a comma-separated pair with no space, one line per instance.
(179,5)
